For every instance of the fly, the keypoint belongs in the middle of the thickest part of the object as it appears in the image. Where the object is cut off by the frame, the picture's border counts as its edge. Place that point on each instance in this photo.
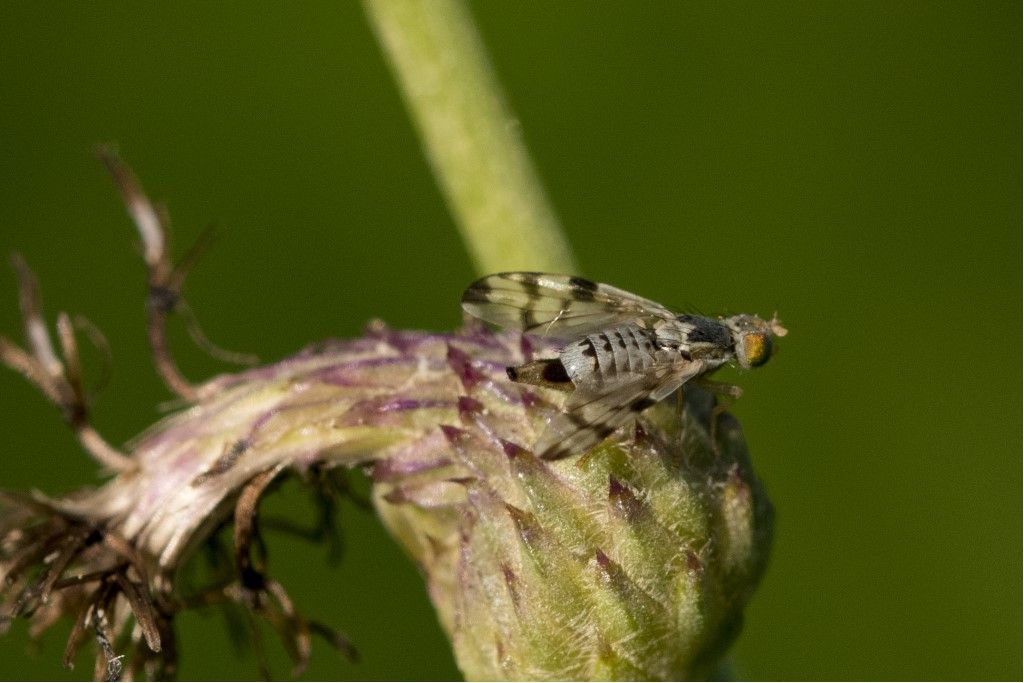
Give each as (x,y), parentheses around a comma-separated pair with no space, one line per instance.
(623,353)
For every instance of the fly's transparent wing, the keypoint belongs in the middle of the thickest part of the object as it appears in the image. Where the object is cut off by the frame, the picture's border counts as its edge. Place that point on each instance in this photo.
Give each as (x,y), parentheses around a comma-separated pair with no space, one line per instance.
(560,306)
(593,412)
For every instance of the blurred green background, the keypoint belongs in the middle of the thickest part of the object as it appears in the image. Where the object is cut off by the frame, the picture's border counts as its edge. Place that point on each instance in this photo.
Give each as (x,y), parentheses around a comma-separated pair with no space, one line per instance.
(854,166)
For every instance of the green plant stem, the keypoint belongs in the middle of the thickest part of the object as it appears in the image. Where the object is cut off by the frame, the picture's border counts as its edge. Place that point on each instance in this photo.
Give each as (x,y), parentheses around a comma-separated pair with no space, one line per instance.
(470,138)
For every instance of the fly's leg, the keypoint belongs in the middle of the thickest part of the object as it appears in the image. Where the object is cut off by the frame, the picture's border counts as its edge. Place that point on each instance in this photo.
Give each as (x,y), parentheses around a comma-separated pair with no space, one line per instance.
(681,403)
(680,396)
(725,394)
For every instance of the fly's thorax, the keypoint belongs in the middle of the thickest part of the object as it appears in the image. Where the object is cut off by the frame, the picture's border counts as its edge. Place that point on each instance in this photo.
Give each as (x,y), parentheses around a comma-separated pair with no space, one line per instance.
(700,337)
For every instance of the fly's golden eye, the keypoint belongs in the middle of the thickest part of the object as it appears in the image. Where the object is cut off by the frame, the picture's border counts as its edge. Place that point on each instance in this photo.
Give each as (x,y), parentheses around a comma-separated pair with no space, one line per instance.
(757,347)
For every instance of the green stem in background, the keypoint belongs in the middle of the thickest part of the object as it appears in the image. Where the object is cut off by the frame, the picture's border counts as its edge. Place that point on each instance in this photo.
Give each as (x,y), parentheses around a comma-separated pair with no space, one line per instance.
(471,139)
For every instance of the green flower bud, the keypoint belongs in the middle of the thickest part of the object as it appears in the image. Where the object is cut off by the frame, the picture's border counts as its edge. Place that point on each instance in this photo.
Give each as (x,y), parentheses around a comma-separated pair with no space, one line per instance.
(631,561)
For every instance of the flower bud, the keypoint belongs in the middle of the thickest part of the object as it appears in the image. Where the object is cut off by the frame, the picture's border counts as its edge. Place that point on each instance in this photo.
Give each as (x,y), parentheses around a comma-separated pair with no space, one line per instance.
(632,561)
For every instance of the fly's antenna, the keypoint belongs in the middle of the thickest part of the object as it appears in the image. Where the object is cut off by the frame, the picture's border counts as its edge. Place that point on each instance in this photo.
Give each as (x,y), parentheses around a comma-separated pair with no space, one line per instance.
(776,326)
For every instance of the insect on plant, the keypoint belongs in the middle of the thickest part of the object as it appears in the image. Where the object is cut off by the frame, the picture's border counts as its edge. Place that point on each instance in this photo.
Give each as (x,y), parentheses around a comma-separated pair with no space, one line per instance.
(626,352)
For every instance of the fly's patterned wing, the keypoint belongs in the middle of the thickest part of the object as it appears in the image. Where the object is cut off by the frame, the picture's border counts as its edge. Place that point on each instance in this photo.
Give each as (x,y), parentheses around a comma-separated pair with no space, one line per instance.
(616,365)
(560,306)
(592,412)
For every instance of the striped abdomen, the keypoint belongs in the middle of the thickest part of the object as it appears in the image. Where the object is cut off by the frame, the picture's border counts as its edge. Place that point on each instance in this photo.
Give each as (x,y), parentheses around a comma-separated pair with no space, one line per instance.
(606,355)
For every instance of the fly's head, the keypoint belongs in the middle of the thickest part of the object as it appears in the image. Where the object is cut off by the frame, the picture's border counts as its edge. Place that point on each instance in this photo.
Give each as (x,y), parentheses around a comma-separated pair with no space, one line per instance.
(752,338)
